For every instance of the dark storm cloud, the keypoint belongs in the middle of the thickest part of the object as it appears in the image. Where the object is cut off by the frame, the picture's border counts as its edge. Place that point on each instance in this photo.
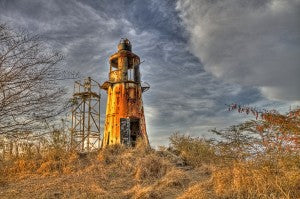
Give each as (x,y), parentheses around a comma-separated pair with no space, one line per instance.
(183,96)
(254,42)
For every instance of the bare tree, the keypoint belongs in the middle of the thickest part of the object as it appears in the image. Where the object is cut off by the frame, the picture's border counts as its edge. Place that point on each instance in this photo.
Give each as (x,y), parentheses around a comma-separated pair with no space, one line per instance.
(29,89)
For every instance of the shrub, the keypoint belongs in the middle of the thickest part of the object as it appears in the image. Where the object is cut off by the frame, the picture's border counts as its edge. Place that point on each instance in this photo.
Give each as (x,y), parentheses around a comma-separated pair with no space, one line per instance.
(195,151)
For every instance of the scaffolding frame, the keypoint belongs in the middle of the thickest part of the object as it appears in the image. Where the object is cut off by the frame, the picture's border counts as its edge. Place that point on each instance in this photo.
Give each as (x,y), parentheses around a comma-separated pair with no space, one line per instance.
(85,130)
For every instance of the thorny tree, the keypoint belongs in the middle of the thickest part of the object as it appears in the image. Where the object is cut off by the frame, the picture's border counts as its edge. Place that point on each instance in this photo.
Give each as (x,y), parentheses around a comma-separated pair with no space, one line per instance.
(238,141)
(29,92)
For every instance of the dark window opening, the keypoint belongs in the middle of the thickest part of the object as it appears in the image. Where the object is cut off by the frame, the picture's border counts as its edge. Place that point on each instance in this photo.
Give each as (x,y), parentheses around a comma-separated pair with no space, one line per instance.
(130,131)
(137,75)
(134,131)
(114,64)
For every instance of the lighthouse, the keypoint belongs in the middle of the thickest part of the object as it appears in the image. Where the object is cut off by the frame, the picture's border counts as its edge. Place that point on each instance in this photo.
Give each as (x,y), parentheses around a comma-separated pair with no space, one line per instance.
(125,119)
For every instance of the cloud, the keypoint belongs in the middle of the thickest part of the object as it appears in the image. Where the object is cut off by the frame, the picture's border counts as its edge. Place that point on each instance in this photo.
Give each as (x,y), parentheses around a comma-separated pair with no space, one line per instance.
(252,43)
(183,96)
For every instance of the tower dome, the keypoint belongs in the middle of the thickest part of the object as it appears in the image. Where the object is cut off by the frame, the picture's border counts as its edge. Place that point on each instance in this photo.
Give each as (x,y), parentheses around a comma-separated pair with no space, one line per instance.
(124,44)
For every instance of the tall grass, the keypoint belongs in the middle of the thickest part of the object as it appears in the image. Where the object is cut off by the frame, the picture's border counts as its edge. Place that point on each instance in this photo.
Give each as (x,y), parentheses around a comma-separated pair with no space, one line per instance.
(267,174)
(209,170)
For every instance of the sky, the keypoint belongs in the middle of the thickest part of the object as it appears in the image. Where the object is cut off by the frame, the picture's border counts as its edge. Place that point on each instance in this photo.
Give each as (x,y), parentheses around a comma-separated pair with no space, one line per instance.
(198,54)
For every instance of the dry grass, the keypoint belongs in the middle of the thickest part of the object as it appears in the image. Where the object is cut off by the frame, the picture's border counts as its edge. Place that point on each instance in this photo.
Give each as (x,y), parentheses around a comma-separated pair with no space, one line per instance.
(114,172)
(258,179)
(198,191)
(141,172)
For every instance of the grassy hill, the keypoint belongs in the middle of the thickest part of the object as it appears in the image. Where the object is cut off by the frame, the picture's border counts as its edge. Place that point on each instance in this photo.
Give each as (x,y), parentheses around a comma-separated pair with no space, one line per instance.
(190,168)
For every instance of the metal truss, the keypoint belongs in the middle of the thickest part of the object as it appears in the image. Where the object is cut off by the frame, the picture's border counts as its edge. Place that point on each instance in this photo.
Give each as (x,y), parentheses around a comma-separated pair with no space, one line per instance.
(85,131)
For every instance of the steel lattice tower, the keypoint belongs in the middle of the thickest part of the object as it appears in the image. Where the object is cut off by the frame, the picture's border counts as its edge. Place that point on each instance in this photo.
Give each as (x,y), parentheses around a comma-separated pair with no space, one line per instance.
(85,131)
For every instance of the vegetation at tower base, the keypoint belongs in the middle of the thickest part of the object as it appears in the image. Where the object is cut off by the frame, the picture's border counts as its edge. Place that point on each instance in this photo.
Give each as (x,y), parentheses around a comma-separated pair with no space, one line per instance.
(236,164)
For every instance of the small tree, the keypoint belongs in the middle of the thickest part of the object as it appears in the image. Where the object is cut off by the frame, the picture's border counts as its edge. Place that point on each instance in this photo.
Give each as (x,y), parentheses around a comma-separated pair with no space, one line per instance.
(278,132)
(237,142)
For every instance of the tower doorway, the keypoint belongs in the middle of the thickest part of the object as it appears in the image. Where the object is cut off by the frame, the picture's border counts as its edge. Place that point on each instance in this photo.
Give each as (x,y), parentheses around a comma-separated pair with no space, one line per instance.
(130,131)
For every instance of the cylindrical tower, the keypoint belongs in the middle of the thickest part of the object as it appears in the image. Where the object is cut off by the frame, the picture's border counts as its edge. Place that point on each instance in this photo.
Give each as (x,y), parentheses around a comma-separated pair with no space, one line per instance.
(125,120)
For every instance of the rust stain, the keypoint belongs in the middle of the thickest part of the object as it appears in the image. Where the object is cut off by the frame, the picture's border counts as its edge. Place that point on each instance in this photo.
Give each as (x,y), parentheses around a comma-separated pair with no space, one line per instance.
(125,120)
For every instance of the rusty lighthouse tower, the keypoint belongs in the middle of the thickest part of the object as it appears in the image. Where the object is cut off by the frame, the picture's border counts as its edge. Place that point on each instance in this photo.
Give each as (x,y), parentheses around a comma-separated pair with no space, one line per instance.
(125,120)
